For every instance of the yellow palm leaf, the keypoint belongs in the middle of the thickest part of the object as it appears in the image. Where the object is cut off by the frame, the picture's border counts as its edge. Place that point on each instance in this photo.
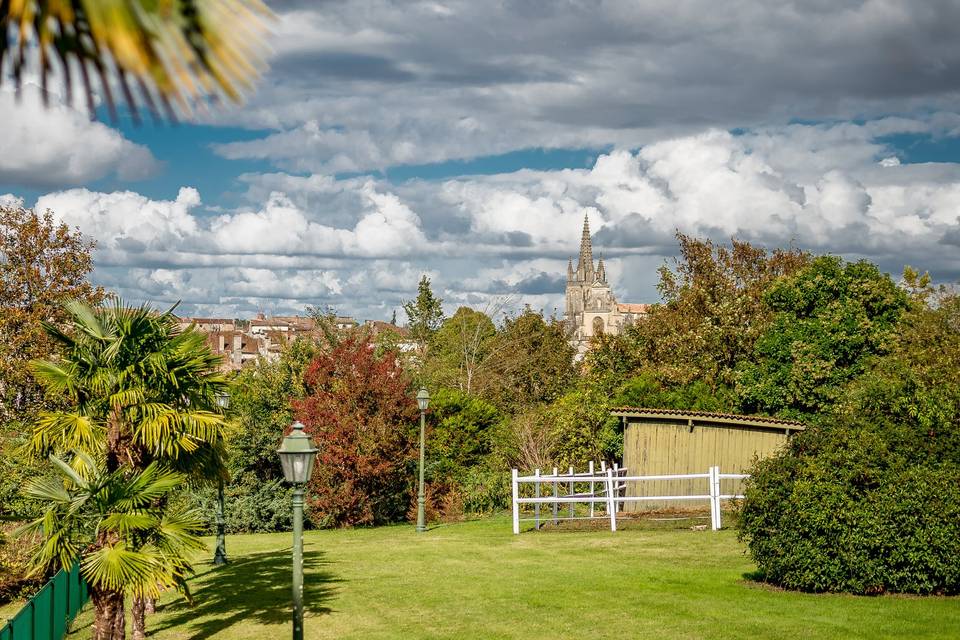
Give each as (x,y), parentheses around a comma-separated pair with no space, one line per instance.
(178,52)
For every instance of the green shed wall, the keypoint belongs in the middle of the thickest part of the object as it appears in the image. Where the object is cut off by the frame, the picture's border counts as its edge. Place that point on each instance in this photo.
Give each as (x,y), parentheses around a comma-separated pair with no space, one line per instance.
(666,447)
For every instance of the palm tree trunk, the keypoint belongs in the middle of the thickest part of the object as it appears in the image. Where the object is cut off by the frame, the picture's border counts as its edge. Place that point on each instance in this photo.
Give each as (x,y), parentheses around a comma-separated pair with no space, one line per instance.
(150,605)
(120,621)
(138,613)
(107,608)
(113,440)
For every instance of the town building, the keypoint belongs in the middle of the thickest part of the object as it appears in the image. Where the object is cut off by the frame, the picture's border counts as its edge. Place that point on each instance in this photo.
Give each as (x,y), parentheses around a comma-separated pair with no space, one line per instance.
(240,342)
(591,307)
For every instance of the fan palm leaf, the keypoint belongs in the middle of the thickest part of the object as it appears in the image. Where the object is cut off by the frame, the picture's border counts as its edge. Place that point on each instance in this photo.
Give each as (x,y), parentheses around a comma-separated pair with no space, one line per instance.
(112,524)
(175,51)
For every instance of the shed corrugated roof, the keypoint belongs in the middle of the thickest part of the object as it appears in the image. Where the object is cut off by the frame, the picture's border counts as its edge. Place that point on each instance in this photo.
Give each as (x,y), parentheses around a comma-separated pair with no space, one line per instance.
(707,416)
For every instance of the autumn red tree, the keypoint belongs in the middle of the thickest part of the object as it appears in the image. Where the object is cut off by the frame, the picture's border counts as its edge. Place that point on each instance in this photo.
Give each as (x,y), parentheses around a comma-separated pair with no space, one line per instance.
(362,415)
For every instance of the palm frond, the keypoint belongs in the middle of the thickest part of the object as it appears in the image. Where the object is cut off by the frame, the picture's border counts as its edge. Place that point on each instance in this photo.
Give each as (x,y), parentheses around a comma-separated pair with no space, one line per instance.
(75,479)
(149,485)
(127,523)
(55,377)
(117,567)
(86,320)
(47,490)
(65,430)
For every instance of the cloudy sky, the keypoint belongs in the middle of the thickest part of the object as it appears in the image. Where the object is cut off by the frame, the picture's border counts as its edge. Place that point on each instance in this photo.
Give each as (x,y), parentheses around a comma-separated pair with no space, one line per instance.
(467,140)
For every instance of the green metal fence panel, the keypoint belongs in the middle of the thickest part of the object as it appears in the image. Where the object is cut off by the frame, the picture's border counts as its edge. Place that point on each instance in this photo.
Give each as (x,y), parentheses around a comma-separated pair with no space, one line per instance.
(49,612)
(58,611)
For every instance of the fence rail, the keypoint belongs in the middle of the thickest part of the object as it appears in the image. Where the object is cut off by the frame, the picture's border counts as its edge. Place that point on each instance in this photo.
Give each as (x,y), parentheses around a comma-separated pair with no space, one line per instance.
(48,614)
(612,480)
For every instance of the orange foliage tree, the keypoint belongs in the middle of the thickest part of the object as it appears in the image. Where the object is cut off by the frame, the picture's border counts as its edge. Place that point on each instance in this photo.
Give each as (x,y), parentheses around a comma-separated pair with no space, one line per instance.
(362,415)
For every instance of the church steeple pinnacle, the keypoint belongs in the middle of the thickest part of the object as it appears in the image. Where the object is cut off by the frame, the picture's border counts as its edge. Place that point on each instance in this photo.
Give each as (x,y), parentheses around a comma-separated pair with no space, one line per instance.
(585,262)
(601,271)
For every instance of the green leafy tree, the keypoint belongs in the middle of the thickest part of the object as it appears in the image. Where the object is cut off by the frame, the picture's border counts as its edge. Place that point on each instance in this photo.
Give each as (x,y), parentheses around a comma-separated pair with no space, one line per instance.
(713,313)
(424,314)
(646,391)
(118,526)
(830,318)
(868,499)
(459,350)
(911,395)
(582,428)
(530,362)
(260,411)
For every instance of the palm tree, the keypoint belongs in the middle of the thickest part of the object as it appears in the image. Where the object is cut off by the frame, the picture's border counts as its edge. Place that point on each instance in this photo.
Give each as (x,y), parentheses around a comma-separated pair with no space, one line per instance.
(111,523)
(139,391)
(138,388)
(177,51)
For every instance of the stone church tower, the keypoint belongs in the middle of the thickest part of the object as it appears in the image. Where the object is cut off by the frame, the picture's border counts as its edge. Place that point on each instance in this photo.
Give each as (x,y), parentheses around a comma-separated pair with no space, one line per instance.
(591,307)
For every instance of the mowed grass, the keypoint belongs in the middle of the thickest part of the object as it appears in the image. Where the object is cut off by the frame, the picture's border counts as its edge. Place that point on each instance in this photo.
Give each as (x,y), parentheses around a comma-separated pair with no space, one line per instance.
(476,580)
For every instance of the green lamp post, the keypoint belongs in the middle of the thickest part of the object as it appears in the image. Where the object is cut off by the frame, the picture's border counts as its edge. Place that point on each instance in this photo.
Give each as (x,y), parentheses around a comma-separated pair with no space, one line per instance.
(296,457)
(423,401)
(220,554)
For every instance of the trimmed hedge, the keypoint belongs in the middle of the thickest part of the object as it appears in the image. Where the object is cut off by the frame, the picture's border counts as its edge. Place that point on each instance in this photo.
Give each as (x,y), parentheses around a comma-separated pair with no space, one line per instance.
(838,511)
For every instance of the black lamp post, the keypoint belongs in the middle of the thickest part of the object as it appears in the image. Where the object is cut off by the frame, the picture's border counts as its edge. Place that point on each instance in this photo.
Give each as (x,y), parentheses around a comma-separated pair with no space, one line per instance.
(296,457)
(423,401)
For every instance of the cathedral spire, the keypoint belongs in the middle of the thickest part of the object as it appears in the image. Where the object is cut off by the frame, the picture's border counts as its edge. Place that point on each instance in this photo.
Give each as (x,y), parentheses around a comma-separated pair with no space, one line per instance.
(585,262)
(569,270)
(601,271)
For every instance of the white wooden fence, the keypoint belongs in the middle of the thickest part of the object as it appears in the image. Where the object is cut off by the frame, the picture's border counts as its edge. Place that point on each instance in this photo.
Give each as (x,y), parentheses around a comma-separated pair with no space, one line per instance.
(611,481)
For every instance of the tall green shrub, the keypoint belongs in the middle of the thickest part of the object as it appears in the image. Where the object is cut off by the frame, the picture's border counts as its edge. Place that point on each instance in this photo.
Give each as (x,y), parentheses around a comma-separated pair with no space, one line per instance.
(870,501)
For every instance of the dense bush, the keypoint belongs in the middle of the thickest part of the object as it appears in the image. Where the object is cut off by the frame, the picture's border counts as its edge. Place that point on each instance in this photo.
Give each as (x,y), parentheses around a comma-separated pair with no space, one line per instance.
(461,430)
(15,564)
(840,512)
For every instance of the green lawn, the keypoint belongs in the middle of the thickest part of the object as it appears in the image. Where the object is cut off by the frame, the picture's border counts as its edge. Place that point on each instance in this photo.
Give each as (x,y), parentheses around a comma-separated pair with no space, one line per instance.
(476,580)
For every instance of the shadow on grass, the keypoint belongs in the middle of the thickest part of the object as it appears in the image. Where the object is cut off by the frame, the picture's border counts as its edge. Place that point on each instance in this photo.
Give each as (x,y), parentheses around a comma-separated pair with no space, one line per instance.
(253,588)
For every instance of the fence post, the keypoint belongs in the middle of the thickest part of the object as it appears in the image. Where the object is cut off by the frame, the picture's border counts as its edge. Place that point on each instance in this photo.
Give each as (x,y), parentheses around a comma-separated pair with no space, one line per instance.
(592,494)
(714,500)
(570,492)
(603,471)
(516,505)
(556,505)
(716,478)
(536,494)
(611,501)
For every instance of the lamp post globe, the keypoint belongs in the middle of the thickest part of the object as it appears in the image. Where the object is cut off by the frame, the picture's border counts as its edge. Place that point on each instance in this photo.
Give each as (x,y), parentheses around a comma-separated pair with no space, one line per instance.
(423,401)
(297,455)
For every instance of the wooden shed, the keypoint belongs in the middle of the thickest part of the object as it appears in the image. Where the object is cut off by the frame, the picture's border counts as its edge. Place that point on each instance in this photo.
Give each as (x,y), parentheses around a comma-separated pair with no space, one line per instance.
(670,441)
